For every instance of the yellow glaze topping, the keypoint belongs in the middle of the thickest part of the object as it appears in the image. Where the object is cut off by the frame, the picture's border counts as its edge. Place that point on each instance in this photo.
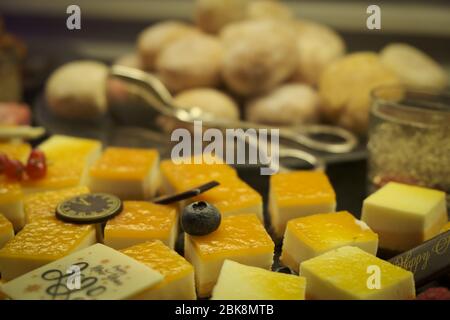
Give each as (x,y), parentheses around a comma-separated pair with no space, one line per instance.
(5,225)
(346,268)
(239,235)
(66,161)
(43,204)
(301,187)
(46,238)
(160,258)
(141,218)
(247,282)
(16,150)
(325,231)
(185,176)
(124,163)
(10,192)
(231,194)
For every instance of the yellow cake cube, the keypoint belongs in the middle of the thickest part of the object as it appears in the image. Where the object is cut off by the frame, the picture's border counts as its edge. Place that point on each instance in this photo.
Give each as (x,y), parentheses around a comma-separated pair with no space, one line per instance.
(6,230)
(404,216)
(240,282)
(131,174)
(16,150)
(11,203)
(178,283)
(40,242)
(68,160)
(241,238)
(310,236)
(177,177)
(349,273)
(446,227)
(141,221)
(297,194)
(232,197)
(43,204)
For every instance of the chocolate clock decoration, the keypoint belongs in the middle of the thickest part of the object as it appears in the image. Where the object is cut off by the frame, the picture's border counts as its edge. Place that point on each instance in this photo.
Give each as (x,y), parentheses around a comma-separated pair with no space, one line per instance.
(89,208)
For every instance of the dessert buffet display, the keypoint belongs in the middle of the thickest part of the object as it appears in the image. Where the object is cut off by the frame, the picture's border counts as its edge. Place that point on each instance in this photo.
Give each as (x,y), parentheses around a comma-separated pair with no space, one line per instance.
(214,242)
(91,212)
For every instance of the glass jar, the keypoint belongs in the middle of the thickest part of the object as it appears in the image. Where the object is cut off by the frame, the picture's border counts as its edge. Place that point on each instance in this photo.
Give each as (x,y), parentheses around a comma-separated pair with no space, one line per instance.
(409,137)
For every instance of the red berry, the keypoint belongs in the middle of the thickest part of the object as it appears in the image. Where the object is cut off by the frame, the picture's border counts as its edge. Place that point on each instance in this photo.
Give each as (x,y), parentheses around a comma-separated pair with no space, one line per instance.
(3,162)
(36,166)
(14,169)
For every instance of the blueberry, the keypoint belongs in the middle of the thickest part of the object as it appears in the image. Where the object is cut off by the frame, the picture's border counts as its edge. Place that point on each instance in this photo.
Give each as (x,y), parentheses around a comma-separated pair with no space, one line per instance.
(200,218)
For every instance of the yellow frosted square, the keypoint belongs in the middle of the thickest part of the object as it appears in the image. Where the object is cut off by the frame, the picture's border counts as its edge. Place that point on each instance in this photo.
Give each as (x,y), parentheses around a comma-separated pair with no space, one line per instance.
(42,241)
(11,203)
(178,283)
(310,236)
(297,194)
(404,215)
(241,238)
(240,282)
(349,273)
(68,160)
(129,173)
(43,204)
(141,221)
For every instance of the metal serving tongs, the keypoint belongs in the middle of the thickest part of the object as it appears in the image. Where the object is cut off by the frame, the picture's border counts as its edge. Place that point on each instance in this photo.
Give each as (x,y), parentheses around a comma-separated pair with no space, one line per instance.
(159,98)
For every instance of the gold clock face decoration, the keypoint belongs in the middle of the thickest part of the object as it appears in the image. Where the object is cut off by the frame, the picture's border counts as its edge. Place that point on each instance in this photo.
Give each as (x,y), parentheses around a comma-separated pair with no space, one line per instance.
(89,208)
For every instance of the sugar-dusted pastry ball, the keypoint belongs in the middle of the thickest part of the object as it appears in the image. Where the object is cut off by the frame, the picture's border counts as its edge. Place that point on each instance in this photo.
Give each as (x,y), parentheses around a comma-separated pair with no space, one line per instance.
(190,62)
(270,9)
(152,40)
(289,104)
(212,101)
(345,87)
(317,46)
(414,67)
(77,90)
(258,55)
(212,15)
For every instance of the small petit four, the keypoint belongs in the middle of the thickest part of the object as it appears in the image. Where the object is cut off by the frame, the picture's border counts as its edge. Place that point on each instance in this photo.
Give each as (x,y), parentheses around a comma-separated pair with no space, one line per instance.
(297,194)
(6,231)
(350,273)
(241,238)
(178,282)
(310,236)
(43,204)
(232,197)
(104,274)
(11,203)
(178,177)
(240,282)
(130,174)
(446,227)
(404,215)
(40,242)
(68,160)
(141,221)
